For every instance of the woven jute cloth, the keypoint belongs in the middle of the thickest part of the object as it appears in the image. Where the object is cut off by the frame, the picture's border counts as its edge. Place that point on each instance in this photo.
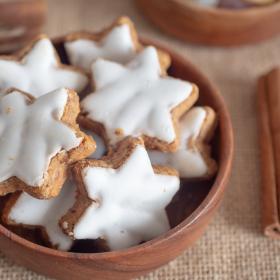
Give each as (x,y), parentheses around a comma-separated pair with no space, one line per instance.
(233,246)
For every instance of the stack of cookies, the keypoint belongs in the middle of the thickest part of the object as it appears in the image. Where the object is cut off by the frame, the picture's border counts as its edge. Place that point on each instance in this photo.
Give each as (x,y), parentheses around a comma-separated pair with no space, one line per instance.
(103,168)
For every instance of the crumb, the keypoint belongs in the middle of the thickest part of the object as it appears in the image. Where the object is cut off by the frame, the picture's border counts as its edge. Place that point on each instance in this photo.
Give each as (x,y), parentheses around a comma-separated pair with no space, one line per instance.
(65,225)
(8,110)
(119,131)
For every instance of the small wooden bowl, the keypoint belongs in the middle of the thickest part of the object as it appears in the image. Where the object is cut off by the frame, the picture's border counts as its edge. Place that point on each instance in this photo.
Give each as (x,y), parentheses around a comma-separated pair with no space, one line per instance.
(20,21)
(213,26)
(189,213)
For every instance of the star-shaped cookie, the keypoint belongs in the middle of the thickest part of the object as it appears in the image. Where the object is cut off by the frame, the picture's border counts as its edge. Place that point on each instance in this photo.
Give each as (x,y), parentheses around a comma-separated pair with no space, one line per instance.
(119,43)
(121,198)
(135,100)
(39,138)
(38,70)
(192,159)
(23,210)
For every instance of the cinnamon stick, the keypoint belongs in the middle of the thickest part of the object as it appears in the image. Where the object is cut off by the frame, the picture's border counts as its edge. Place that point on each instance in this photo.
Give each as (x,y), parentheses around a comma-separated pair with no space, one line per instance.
(269,124)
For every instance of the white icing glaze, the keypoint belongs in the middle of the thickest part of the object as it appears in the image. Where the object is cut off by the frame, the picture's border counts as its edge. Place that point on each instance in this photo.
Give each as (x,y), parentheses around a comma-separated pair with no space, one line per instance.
(188,161)
(100,145)
(132,201)
(39,72)
(135,98)
(30,211)
(31,134)
(116,46)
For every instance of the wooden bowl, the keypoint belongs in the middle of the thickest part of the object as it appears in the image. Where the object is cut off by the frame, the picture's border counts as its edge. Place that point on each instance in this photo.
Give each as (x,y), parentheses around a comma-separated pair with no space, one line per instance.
(20,21)
(189,213)
(213,26)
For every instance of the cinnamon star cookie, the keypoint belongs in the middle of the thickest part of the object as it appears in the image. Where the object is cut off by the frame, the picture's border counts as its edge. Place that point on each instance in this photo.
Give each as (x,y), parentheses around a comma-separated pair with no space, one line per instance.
(25,211)
(121,198)
(39,138)
(137,100)
(192,159)
(118,42)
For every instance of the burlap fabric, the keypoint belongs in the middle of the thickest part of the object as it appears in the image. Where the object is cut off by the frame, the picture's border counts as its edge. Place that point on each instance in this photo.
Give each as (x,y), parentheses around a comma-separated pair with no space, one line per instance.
(233,246)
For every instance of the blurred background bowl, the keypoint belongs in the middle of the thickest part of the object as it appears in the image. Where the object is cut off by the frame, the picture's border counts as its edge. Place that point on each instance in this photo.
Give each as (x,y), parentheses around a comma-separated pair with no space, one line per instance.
(213,26)
(20,21)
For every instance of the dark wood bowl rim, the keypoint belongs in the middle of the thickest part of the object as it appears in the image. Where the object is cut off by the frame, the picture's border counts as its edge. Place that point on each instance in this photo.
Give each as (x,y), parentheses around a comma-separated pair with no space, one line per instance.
(212,198)
(20,3)
(230,13)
